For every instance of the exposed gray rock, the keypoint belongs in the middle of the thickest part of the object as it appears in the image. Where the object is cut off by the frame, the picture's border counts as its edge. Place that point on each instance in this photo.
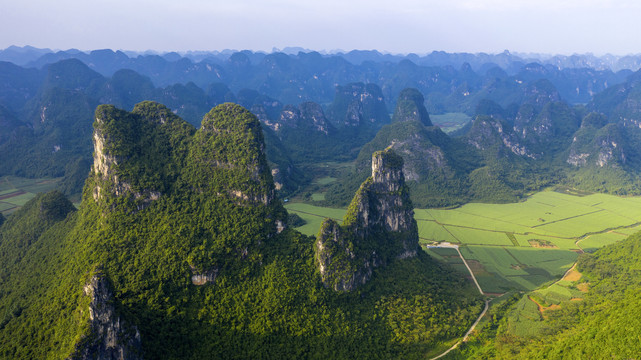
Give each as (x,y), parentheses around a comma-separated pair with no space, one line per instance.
(488,132)
(107,158)
(110,337)
(605,146)
(359,104)
(379,227)
(308,116)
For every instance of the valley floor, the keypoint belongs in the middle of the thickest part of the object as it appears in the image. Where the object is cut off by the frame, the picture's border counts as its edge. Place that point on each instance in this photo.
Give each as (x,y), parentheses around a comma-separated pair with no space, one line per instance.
(514,247)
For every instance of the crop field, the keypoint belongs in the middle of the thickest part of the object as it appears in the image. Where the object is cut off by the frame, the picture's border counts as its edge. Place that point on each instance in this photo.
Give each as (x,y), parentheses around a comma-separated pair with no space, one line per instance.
(519,246)
(313,216)
(549,230)
(15,191)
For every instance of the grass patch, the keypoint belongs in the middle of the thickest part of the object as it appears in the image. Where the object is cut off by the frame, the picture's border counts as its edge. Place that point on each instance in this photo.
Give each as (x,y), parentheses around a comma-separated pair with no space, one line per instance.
(20,200)
(6,206)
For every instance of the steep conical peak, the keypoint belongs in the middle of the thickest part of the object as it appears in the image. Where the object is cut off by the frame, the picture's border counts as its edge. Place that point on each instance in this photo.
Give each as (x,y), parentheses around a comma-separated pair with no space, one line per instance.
(137,154)
(594,120)
(379,227)
(228,156)
(411,106)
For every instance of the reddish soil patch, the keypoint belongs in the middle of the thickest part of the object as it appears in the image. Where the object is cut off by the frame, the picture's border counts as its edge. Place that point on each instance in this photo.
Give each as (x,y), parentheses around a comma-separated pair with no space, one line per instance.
(572,275)
(576,299)
(552,307)
(583,287)
(542,309)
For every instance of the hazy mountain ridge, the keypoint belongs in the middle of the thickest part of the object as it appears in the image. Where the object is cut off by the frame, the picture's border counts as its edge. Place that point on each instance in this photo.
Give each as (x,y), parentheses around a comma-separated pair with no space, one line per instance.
(538,124)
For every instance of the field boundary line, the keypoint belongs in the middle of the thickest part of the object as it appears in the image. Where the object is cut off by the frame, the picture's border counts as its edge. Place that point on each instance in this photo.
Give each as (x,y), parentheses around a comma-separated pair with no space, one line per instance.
(308,213)
(571,217)
(504,231)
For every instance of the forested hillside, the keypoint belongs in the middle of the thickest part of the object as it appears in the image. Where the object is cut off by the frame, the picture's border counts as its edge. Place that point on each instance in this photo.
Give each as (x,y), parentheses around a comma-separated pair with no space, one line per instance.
(180,249)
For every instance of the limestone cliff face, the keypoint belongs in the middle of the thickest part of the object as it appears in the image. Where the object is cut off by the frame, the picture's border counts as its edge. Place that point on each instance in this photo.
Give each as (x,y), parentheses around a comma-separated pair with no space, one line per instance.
(107,158)
(110,337)
(307,116)
(601,147)
(359,104)
(488,132)
(378,228)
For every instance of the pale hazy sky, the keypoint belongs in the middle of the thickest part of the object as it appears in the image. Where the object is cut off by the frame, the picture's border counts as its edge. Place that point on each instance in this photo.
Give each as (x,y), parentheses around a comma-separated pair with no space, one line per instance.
(397,26)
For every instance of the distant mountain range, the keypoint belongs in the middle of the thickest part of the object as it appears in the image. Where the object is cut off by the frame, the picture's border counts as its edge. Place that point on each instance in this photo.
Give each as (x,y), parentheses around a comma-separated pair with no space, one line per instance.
(527,130)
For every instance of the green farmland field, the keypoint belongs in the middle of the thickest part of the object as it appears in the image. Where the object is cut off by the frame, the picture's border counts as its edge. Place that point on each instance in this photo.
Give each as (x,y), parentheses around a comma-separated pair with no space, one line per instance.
(15,191)
(313,216)
(519,246)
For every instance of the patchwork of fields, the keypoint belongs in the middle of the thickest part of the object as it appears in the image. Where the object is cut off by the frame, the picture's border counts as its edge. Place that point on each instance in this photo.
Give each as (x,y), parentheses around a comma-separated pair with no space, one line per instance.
(518,246)
(15,191)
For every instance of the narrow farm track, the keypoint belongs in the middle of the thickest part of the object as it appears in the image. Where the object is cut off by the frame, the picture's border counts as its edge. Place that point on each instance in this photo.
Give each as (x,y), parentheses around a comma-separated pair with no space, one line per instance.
(487,305)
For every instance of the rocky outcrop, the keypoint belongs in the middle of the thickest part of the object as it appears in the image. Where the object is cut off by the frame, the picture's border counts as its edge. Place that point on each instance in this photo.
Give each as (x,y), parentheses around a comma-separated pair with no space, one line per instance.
(490,133)
(601,147)
(307,116)
(110,336)
(124,162)
(379,227)
(203,277)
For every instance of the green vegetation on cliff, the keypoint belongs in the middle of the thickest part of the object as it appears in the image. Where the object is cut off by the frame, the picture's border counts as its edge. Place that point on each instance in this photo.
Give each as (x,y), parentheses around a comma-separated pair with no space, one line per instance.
(186,234)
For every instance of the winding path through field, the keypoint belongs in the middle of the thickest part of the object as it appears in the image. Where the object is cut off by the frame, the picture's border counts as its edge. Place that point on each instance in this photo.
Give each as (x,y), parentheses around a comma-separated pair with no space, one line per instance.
(487,301)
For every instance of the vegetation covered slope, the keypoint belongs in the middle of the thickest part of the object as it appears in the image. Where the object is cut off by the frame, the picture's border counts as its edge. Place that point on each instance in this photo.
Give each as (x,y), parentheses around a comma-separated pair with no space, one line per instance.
(600,321)
(182,229)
